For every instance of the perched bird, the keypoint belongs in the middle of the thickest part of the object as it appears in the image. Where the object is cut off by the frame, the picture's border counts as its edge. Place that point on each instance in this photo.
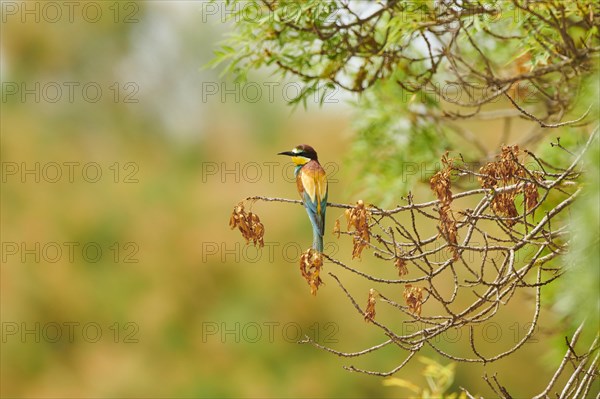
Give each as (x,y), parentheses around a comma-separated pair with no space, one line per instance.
(312,187)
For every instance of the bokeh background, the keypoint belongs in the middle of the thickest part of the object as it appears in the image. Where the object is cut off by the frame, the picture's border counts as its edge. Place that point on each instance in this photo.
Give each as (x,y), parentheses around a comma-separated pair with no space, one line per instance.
(122,159)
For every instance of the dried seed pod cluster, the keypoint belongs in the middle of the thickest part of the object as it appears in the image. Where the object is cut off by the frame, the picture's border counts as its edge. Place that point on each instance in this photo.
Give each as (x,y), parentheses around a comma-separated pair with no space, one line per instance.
(370,311)
(311,262)
(358,220)
(503,172)
(249,225)
(336,228)
(401,266)
(530,191)
(441,186)
(413,296)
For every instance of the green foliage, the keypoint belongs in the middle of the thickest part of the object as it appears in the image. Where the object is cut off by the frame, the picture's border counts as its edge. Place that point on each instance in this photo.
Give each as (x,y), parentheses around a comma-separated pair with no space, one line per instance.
(402,147)
(356,44)
(439,380)
(414,63)
(577,293)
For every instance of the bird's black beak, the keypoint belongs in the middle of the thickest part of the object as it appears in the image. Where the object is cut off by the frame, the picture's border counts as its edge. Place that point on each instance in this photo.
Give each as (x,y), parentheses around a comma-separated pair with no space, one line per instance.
(288,153)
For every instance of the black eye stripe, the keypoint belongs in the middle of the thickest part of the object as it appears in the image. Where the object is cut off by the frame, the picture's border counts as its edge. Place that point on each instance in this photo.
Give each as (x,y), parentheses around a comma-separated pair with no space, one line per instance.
(303,154)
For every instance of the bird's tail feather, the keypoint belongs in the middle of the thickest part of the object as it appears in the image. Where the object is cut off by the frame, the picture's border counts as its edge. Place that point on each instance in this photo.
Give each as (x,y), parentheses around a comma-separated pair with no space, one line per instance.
(317,241)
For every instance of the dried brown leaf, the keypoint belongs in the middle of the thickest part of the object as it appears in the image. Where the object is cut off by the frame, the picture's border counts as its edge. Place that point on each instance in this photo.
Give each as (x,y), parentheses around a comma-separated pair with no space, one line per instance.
(371,301)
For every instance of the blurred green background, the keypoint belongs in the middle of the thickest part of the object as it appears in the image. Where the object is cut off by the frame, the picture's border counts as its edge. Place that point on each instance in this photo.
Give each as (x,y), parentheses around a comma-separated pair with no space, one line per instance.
(122,159)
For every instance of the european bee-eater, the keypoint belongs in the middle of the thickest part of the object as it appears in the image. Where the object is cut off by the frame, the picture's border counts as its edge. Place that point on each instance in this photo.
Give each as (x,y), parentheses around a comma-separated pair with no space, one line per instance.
(312,187)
